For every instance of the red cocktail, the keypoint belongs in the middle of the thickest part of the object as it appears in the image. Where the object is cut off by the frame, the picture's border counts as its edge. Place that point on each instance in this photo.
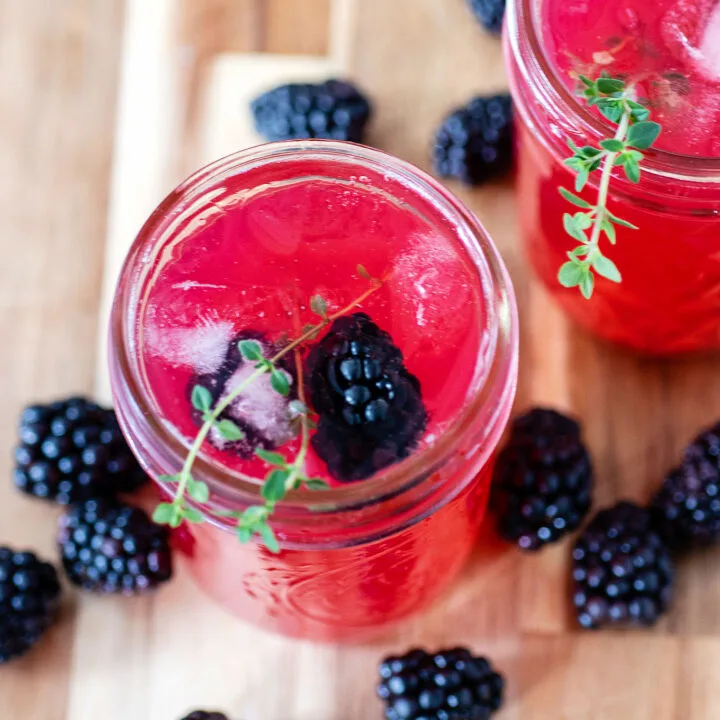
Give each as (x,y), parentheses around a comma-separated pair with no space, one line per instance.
(240,249)
(669,298)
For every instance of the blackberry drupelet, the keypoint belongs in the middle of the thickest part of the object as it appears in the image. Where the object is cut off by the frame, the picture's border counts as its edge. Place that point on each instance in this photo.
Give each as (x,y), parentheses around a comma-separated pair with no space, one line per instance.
(543,480)
(686,509)
(29,599)
(370,407)
(446,685)
(622,570)
(73,450)
(475,142)
(490,13)
(205,715)
(334,110)
(110,547)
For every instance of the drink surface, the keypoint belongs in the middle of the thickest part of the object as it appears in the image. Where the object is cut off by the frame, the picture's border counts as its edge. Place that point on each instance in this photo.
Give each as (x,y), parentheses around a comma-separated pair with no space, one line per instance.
(668,49)
(258,249)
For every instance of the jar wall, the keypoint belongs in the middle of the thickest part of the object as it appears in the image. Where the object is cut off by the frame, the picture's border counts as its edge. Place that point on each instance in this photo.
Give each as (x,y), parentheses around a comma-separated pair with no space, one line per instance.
(342,594)
(669,299)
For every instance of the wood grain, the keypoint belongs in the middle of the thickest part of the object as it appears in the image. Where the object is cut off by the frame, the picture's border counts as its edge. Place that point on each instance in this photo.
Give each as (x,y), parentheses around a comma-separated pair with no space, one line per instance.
(58,79)
(233,81)
(61,65)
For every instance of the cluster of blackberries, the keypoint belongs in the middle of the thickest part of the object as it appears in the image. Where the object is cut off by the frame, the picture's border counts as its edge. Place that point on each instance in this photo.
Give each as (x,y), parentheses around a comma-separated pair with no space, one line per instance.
(450,684)
(110,547)
(621,564)
(333,110)
(543,480)
(370,407)
(72,452)
(474,143)
(686,509)
(621,568)
(29,597)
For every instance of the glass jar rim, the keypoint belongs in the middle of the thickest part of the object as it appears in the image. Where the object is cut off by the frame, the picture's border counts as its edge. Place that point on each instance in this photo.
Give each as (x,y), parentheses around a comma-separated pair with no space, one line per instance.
(663,163)
(497,376)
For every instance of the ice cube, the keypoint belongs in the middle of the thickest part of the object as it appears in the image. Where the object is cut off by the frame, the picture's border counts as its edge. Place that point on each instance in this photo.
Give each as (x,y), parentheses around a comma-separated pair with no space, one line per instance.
(434,290)
(710,45)
(201,347)
(688,29)
(262,414)
(259,406)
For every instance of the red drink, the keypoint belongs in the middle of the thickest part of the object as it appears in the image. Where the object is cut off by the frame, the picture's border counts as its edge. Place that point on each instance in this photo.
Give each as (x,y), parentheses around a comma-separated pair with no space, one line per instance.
(243,246)
(669,299)
(256,268)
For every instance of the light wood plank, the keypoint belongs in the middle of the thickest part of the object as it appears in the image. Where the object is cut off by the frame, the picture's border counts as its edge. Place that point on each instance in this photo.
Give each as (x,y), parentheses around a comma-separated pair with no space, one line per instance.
(58,78)
(234,80)
(599,677)
(149,131)
(296,27)
(696,678)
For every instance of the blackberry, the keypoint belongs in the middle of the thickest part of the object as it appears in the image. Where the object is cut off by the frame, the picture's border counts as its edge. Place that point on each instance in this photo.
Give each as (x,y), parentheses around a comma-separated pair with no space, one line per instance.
(110,547)
(370,407)
(686,509)
(475,142)
(543,480)
(205,715)
(622,570)
(490,13)
(73,450)
(334,109)
(446,685)
(29,599)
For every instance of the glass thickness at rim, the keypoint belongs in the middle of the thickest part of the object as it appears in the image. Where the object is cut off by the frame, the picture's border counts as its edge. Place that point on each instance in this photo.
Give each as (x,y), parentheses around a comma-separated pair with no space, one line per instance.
(523,22)
(492,380)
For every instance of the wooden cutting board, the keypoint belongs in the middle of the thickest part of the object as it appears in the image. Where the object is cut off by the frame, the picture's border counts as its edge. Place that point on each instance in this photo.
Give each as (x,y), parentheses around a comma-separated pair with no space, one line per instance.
(183,95)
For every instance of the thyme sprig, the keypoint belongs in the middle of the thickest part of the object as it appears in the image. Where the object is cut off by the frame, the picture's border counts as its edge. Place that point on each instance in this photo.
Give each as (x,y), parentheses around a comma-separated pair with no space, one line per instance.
(284,474)
(635,132)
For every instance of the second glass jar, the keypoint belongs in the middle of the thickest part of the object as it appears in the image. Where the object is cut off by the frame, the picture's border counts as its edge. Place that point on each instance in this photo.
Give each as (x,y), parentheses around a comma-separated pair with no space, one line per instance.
(669,299)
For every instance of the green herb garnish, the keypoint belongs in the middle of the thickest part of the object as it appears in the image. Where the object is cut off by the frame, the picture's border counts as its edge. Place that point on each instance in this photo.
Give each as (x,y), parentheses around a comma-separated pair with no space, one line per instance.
(284,474)
(635,132)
